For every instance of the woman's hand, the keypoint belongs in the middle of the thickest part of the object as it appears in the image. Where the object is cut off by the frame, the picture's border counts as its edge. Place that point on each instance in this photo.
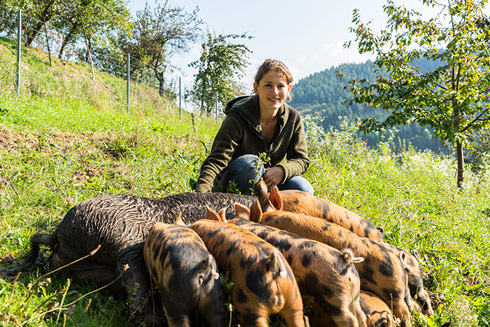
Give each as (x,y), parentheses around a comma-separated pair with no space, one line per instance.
(273,176)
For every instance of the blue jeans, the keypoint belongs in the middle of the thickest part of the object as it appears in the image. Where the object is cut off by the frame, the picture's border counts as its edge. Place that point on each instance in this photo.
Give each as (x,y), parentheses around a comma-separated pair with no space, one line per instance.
(244,172)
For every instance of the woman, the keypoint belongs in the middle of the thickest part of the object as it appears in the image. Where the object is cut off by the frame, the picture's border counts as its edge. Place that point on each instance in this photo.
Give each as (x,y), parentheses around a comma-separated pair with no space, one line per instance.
(257,127)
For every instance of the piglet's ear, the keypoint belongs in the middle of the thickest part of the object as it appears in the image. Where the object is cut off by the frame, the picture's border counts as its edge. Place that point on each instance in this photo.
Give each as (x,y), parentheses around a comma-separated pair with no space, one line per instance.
(213,215)
(275,198)
(256,212)
(222,214)
(261,189)
(179,220)
(241,211)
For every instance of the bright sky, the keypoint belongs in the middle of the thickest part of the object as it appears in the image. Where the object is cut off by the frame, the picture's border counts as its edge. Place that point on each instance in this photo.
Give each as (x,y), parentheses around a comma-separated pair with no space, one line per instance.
(307,35)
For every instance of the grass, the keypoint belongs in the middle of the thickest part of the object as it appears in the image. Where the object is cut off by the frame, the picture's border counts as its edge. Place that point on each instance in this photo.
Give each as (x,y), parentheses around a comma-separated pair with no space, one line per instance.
(69,138)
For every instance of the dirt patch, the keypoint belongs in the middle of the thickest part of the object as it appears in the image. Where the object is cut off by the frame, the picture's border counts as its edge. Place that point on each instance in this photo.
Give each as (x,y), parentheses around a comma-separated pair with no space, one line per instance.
(52,141)
(10,139)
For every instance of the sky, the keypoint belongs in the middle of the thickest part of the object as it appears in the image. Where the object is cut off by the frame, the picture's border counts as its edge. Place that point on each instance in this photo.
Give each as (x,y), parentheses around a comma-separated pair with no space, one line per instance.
(307,35)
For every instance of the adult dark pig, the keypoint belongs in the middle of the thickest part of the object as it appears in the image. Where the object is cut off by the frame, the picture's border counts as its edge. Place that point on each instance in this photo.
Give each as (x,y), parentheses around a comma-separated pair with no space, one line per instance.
(118,224)
(185,273)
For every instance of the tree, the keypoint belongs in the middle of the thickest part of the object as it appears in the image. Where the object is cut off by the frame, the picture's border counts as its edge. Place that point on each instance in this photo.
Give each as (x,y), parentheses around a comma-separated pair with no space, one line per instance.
(453,98)
(93,20)
(7,15)
(160,33)
(220,67)
(35,14)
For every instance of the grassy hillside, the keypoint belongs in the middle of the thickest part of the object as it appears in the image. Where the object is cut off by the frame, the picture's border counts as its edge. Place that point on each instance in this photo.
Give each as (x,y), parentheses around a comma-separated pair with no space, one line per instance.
(69,138)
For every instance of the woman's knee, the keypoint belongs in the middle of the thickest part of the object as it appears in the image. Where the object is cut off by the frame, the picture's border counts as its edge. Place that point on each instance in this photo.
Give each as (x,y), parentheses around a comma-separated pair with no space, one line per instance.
(297,183)
(244,171)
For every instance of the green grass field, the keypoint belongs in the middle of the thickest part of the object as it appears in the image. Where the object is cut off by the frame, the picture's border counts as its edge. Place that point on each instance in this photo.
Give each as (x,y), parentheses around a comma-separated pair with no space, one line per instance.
(68,138)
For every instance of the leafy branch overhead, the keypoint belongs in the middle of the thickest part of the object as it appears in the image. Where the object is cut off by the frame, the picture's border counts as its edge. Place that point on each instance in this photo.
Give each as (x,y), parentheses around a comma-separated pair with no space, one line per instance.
(453,97)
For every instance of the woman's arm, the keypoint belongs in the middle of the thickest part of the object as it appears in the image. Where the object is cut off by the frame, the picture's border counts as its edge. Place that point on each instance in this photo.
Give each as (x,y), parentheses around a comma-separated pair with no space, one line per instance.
(224,146)
(297,154)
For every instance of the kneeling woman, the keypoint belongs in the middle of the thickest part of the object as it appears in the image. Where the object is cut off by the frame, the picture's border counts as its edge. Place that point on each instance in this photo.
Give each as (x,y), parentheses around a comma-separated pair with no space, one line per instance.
(255,125)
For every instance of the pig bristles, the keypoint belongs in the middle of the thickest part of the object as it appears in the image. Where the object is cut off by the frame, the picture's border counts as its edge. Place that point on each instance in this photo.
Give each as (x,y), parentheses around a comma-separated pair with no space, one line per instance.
(349,257)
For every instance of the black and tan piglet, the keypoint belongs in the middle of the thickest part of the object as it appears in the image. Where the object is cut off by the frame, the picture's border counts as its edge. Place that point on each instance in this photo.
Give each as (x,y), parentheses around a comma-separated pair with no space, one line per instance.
(322,272)
(382,271)
(377,313)
(263,283)
(185,273)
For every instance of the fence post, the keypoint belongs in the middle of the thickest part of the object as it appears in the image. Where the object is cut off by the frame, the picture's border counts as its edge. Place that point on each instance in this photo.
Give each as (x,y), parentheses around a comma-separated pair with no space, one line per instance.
(19,40)
(216,106)
(180,98)
(128,78)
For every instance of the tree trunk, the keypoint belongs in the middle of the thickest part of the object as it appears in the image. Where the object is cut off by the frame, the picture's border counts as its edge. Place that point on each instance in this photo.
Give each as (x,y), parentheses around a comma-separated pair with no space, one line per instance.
(44,16)
(32,34)
(460,157)
(67,40)
(161,89)
(47,44)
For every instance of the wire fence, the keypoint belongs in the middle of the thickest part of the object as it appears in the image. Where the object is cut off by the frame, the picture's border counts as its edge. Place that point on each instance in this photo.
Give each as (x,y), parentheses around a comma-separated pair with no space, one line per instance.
(101,65)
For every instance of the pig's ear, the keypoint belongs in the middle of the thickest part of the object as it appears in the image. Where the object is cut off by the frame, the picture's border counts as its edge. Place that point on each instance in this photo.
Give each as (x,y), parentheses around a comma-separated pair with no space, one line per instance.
(179,220)
(241,211)
(275,265)
(261,189)
(206,265)
(222,214)
(256,212)
(213,215)
(275,198)
(404,257)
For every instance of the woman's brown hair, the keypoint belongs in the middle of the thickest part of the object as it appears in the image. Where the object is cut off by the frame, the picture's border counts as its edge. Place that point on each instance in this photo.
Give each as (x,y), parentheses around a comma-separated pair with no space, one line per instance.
(273,65)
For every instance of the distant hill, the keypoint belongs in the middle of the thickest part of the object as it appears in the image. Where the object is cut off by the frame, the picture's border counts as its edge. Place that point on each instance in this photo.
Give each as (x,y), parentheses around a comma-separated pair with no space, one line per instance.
(323,95)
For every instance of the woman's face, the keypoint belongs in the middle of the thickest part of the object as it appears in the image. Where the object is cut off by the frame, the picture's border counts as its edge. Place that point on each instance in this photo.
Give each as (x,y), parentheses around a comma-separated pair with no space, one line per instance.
(272,90)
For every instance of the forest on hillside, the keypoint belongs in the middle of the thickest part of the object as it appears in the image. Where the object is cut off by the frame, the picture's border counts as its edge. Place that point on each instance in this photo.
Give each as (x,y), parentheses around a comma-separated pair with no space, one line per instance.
(323,95)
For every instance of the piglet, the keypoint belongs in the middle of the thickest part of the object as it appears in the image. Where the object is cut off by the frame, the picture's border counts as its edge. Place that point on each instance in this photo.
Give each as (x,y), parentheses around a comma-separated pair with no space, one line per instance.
(185,273)
(377,313)
(263,283)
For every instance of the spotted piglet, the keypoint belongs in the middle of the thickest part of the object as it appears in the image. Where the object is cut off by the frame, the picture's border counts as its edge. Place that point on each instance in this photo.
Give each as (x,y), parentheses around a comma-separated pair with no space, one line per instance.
(381,272)
(185,273)
(263,283)
(377,313)
(322,272)
(308,204)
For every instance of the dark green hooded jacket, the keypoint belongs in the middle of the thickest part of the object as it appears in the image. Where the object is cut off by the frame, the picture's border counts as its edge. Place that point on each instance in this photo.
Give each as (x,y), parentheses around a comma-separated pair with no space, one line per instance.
(240,134)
